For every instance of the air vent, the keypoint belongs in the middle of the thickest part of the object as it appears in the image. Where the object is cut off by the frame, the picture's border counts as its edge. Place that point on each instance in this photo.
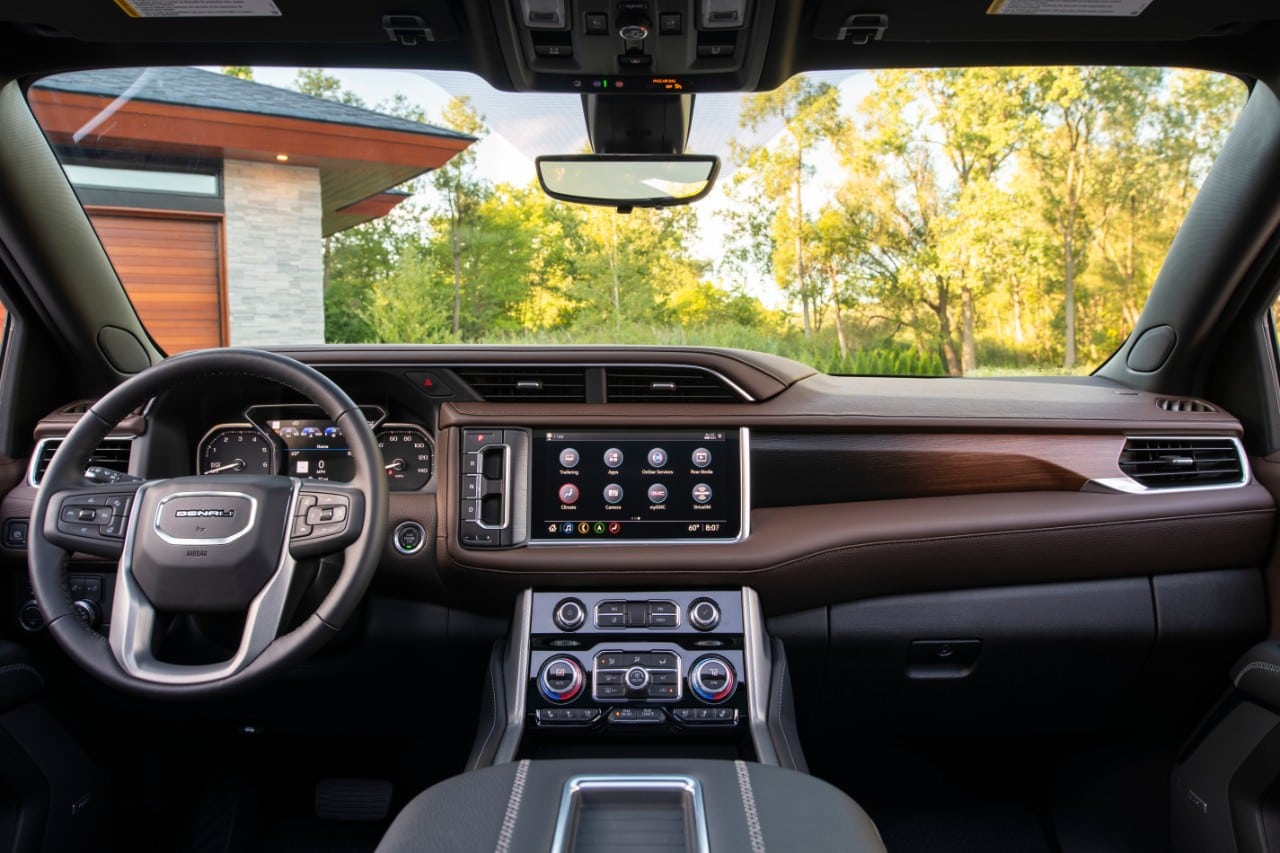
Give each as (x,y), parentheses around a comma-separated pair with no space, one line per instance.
(667,385)
(527,384)
(1167,463)
(112,453)
(1184,404)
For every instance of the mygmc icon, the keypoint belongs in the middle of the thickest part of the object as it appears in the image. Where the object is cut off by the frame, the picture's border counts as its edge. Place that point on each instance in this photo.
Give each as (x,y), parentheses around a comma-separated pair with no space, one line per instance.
(204,513)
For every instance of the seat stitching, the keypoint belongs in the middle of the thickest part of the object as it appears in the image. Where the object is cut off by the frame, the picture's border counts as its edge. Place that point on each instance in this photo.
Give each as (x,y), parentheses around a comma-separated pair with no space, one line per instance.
(513,808)
(749,807)
(1268,667)
(22,667)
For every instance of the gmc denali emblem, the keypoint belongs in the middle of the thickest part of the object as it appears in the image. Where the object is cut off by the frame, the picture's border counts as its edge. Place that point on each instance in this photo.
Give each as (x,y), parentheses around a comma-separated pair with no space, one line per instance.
(204,513)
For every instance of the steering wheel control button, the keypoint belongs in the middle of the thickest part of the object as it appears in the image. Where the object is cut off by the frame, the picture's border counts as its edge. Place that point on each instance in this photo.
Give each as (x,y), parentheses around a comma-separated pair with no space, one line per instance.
(570,615)
(712,679)
(560,680)
(326,514)
(569,458)
(568,494)
(613,494)
(409,537)
(702,493)
(704,614)
(657,458)
(613,457)
(300,529)
(657,494)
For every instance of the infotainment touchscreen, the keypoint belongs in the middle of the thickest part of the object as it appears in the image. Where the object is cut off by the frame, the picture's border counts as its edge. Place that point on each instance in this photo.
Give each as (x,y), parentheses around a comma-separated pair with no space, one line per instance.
(629,485)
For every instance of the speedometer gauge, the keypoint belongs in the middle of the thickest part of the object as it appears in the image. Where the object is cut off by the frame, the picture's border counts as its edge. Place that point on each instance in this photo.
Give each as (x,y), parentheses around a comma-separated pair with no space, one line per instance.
(407,453)
(234,450)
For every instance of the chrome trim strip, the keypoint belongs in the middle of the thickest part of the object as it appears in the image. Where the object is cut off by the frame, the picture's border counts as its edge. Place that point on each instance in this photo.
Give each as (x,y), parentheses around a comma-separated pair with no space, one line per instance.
(1129,486)
(570,803)
(224,540)
(40,445)
(133,617)
(744,489)
(516,670)
(757,659)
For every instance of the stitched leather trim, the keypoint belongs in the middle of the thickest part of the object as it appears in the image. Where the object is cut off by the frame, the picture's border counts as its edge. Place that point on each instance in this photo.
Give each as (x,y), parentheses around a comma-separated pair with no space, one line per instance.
(749,807)
(513,808)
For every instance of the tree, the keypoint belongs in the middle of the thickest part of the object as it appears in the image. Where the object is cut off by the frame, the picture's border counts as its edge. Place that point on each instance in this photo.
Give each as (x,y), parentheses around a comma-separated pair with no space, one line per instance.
(809,112)
(461,193)
(319,83)
(244,72)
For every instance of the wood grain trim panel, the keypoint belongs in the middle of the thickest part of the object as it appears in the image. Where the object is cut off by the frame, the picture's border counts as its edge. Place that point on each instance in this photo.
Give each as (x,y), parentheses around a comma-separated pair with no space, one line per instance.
(802,468)
(799,557)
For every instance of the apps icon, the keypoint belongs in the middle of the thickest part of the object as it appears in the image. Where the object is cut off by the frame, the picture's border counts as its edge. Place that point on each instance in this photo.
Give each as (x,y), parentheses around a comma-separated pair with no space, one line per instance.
(657,457)
(613,457)
(613,493)
(701,457)
(568,493)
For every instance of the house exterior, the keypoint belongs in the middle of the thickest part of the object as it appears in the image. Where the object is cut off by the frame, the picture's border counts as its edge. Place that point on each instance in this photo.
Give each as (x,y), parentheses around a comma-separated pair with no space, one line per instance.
(207,189)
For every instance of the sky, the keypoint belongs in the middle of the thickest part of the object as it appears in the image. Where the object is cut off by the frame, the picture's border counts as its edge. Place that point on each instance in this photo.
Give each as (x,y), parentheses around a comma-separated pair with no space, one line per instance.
(523,125)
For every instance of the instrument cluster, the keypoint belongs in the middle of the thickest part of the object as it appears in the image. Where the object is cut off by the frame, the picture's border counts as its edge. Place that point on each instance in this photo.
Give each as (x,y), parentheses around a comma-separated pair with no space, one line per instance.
(301,441)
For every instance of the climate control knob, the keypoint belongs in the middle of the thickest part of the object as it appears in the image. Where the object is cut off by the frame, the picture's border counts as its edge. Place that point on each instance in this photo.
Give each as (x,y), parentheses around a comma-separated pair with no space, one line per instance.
(704,614)
(569,614)
(561,679)
(712,679)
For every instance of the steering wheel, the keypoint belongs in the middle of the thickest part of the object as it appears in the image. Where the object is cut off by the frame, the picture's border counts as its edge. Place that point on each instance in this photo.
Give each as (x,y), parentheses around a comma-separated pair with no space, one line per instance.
(225,544)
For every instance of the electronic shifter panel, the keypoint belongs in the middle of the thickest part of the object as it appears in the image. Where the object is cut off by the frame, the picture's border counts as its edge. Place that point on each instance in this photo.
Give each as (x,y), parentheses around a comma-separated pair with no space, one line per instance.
(639,661)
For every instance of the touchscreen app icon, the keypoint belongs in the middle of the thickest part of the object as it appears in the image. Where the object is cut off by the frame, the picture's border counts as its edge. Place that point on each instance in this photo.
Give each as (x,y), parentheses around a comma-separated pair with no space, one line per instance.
(613,457)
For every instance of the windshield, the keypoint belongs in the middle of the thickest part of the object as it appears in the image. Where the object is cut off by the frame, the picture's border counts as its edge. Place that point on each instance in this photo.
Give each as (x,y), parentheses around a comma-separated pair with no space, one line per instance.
(926,222)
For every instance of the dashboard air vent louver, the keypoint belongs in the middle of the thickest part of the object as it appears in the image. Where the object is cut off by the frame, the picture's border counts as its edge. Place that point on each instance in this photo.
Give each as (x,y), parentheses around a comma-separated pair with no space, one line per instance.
(1167,463)
(507,384)
(667,385)
(112,453)
(1184,404)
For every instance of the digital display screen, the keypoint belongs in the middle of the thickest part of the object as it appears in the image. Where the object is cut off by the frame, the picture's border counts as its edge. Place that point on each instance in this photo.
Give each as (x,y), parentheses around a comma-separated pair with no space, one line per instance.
(611,485)
(314,449)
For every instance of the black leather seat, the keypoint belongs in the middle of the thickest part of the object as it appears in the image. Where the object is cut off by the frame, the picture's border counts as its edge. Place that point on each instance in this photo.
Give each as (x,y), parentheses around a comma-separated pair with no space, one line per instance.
(512,808)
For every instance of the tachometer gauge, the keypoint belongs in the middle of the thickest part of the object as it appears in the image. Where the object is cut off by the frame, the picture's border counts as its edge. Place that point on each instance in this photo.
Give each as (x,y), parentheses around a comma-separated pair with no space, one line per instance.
(235,451)
(407,453)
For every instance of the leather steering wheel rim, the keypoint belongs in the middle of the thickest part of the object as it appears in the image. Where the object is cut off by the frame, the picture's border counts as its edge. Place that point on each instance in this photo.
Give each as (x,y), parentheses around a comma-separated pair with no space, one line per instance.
(48,561)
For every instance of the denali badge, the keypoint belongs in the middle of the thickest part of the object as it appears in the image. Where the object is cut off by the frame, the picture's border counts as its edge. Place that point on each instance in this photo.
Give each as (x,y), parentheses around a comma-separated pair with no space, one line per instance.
(204,513)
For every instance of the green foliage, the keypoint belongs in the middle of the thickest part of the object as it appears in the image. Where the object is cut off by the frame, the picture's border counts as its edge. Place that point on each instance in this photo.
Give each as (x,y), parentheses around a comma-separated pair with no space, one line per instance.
(981,220)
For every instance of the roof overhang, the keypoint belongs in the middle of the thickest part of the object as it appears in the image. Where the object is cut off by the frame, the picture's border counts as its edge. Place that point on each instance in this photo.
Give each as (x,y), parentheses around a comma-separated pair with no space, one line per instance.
(356,164)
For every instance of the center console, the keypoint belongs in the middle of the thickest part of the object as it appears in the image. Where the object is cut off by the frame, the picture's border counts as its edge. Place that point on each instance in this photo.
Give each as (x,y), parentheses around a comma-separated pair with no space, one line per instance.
(617,673)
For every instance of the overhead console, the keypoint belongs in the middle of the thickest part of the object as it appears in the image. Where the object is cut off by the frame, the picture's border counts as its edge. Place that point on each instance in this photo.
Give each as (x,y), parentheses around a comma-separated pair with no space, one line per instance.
(602,486)
(634,46)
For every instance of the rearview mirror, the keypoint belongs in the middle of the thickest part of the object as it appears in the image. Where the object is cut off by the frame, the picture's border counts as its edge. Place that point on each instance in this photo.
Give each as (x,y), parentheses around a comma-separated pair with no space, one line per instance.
(625,181)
